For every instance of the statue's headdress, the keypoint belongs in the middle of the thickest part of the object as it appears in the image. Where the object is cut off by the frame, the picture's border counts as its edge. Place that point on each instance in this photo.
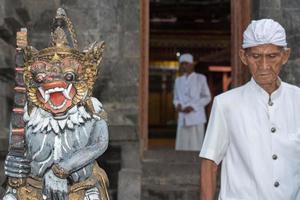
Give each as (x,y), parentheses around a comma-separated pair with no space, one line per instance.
(61,76)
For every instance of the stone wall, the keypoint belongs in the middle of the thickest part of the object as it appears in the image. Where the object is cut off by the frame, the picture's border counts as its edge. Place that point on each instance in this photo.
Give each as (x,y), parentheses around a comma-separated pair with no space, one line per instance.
(286,12)
(117,23)
(10,21)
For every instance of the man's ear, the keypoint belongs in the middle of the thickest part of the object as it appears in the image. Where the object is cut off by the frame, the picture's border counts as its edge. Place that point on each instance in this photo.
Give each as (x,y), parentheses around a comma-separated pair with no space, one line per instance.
(286,55)
(243,56)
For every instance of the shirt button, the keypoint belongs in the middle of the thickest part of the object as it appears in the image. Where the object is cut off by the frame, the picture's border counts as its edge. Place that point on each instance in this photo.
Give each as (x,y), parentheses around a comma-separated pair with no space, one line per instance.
(274,157)
(273,129)
(276,184)
(271,103)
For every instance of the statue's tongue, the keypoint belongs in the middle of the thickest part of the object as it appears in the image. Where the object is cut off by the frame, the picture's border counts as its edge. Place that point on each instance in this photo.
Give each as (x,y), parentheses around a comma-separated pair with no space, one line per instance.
(57,98)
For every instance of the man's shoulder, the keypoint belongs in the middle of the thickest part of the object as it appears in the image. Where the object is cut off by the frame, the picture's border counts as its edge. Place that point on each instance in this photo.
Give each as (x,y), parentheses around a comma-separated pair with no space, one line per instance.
(200,76)
(290,88)
(232,98)
(178,78)
(233,94)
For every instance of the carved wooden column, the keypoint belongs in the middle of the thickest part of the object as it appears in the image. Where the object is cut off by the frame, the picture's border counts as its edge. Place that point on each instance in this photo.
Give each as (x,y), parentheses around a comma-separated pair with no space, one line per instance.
(144,74)
(240,18)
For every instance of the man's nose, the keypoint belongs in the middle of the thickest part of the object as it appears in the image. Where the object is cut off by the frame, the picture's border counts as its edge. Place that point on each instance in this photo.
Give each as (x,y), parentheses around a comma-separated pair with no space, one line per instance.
(264,64)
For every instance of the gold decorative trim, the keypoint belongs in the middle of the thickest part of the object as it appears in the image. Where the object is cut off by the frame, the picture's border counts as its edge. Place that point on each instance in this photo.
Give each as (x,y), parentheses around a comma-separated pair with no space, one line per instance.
(16,182)
(33,188)
(59,171)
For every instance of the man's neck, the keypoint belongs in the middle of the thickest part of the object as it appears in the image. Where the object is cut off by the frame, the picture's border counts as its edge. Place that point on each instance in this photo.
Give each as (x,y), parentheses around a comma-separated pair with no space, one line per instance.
(270,88)
(188,73)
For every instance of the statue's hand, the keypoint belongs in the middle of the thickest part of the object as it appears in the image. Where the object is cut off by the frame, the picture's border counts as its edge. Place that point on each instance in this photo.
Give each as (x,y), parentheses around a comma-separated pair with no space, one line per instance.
(16,167)
(55,188)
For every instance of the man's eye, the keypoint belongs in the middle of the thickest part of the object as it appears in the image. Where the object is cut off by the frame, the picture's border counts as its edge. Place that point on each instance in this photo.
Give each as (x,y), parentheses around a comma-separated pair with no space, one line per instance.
(40,77)
(70,76)
(256,56)
(272,55)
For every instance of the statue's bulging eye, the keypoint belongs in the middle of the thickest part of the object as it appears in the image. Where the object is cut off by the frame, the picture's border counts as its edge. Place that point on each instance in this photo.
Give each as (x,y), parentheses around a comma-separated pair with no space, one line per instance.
(70,76)
(40,77)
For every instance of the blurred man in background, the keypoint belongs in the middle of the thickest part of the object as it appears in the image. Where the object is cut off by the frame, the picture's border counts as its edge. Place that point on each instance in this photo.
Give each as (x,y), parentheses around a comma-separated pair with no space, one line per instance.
(191,95)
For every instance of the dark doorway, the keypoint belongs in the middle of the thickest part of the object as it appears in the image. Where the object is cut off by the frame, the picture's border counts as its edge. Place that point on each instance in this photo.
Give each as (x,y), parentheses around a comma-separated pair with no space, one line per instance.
(199,27)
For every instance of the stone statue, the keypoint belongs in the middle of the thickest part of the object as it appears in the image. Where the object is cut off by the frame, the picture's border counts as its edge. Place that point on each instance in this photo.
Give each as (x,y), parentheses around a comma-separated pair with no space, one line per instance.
(65,130)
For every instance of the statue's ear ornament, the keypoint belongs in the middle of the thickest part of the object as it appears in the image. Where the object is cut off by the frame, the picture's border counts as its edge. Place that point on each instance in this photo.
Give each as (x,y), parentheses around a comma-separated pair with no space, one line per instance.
(94,53)
(30,52)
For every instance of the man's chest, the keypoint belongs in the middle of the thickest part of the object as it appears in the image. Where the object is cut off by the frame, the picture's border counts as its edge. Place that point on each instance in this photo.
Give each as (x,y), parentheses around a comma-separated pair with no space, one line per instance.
(262,127)
(188,87)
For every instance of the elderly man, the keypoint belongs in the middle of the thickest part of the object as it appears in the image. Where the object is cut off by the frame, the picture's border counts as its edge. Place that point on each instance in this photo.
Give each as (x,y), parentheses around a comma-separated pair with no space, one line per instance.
(255,129)
(191,95)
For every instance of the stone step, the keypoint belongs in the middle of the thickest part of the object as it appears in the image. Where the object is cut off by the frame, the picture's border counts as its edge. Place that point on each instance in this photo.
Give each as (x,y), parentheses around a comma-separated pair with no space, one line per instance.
(168,192)
(164,173)
(170,175)
(170,167)
(171,156)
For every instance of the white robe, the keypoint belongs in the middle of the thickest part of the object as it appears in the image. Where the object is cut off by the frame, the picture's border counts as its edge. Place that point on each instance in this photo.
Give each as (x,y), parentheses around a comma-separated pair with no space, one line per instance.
(257,137)
(191,91)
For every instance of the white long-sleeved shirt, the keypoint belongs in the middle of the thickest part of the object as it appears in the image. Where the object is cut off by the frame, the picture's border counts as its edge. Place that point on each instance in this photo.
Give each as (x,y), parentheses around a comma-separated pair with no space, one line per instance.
(191,90)
(257,136)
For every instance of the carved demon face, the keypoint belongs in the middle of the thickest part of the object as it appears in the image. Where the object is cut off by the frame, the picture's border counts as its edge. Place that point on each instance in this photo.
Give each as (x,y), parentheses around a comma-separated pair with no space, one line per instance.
(58,78)
(56,83)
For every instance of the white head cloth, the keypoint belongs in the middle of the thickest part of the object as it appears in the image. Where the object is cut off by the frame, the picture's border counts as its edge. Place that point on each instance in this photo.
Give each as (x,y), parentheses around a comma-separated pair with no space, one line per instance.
(264,31)
(186,58)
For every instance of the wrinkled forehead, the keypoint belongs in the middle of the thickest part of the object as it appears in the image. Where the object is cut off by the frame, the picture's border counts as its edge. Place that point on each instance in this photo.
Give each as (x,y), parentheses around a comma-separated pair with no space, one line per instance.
(58,66)
(264,49)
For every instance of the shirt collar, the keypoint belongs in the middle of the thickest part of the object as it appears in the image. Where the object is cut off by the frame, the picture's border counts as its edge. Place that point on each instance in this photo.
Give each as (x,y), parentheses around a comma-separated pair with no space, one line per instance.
(190,75)
(263,93)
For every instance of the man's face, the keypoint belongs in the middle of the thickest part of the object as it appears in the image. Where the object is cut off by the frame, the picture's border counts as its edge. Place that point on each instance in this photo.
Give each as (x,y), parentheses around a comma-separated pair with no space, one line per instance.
(264,62)
(187,67)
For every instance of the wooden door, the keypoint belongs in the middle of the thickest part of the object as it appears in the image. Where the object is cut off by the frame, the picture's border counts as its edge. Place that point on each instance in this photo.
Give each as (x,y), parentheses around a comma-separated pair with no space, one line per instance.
(240,18)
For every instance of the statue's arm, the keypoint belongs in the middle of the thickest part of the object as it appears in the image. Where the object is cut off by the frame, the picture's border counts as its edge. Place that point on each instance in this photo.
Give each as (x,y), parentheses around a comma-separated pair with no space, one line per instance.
(98,143)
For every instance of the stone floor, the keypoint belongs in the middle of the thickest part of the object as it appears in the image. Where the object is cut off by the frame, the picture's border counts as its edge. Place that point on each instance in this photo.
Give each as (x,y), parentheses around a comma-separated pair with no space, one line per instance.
(170,175)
